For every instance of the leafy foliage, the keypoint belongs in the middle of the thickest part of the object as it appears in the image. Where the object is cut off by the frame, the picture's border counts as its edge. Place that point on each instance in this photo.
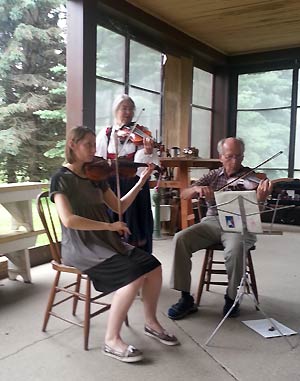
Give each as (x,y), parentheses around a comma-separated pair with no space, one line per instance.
(263,120)
(32,88)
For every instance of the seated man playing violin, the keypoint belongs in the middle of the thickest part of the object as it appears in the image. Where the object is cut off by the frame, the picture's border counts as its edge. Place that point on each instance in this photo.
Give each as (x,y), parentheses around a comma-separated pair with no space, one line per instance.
(208,231)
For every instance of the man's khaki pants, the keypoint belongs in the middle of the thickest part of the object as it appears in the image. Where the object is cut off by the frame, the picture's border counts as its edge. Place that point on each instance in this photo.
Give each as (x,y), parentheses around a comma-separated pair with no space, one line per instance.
(200,236)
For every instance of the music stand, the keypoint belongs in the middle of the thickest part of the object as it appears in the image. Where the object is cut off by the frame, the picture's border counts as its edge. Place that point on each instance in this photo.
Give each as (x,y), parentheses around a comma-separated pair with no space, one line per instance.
(241,217)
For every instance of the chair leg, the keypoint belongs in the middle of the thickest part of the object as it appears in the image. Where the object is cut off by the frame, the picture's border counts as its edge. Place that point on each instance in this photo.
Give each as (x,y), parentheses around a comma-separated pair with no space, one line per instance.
(209,268)
(252,276)
(202,277)
(75,298)
(87,313)
(51,300)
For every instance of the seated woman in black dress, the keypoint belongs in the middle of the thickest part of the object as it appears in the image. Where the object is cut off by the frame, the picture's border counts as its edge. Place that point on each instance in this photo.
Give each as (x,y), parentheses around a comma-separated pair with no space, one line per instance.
(93,244)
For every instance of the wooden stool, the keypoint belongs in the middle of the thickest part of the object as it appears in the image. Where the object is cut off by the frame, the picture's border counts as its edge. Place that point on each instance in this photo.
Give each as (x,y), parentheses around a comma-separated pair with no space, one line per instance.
(208,270)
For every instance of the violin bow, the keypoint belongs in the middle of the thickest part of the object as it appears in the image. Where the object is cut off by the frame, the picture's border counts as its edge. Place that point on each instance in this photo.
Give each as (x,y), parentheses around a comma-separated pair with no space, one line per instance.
(132,130)
(250,171)
(116,140)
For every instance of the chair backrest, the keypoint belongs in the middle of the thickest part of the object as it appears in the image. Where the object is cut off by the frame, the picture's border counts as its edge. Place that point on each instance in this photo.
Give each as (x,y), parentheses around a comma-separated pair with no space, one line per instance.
(48,215)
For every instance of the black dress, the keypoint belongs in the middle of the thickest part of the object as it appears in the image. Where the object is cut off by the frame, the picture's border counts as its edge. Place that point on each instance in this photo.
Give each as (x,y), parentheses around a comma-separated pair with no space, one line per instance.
(103,255)
(138,216)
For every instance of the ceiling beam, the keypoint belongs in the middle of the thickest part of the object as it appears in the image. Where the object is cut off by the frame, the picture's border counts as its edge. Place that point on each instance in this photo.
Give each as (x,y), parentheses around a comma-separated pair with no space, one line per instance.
(272,60)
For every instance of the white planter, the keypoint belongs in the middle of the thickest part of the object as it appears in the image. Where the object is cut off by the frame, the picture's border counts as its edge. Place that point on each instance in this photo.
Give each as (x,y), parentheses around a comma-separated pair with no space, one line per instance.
(165,212)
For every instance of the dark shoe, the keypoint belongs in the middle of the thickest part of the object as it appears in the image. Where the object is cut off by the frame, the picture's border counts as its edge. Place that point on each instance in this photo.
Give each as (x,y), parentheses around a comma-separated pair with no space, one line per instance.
(164,337)
(228,304)
(185,306)
(130,354)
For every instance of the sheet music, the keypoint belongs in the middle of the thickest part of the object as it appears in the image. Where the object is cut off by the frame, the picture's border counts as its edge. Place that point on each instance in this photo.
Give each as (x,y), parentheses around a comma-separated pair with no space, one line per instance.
(230,213)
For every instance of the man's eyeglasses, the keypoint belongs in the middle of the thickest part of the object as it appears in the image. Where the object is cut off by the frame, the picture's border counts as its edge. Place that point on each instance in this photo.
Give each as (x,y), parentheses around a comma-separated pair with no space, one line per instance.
(235,157)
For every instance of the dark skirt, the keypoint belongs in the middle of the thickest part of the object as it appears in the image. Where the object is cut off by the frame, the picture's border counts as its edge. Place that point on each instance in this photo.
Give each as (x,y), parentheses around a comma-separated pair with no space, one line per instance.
(121,269)
(138,216)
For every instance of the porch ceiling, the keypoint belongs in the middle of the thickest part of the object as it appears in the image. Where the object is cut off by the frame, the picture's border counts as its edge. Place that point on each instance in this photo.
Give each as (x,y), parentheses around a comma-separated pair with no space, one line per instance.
(232,27)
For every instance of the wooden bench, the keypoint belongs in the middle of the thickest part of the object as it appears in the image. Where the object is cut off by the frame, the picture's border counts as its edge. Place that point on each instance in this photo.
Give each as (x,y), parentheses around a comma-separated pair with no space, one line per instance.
(14,245)
(16,199)
(16,237)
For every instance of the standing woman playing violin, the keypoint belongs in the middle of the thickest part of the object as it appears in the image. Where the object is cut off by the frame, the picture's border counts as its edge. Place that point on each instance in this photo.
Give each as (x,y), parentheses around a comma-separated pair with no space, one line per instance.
(138,216)
(92,243)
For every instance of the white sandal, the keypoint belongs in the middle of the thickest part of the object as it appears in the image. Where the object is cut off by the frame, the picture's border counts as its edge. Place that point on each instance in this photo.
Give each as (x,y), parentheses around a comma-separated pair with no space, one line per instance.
(130,354)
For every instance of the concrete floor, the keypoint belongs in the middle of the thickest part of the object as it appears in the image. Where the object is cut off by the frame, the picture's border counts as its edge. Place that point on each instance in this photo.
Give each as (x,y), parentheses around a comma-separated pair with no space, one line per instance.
(235,352)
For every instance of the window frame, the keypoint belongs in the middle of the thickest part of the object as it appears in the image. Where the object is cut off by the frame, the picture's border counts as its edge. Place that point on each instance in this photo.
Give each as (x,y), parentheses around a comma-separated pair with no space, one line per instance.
(293,65)
(205,108)
(126,83)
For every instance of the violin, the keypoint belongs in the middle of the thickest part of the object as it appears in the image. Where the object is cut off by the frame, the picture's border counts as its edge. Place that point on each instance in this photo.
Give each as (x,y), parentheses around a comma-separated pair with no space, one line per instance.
(251,173)
(134,133)
(249,182)
(100,169)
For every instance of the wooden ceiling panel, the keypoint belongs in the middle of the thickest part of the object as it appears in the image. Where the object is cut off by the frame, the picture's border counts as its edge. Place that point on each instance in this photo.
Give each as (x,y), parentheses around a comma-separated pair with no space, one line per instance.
(232,26)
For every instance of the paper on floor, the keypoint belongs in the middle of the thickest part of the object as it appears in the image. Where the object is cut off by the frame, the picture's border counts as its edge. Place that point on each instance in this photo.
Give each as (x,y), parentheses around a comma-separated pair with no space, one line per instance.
(267,330)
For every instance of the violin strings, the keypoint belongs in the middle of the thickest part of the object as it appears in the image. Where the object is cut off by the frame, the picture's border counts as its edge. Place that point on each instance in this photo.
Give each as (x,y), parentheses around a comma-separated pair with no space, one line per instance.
(142,134)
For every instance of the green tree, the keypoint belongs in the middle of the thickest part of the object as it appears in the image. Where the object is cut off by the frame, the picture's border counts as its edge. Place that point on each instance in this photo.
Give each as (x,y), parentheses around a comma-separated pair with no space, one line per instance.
(32,88)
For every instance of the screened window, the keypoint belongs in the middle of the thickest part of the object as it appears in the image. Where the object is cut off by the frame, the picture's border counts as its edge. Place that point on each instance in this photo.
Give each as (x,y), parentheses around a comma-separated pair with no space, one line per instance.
(145,67)
(264,119)
(202,111)
(145,82)
(110,62)
(135,71)
(110,72)
(297,137)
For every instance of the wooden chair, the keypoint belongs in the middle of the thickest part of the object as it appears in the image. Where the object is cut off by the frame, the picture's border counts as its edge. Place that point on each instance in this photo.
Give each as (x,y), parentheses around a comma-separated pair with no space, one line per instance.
(71,290)
(216,267)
